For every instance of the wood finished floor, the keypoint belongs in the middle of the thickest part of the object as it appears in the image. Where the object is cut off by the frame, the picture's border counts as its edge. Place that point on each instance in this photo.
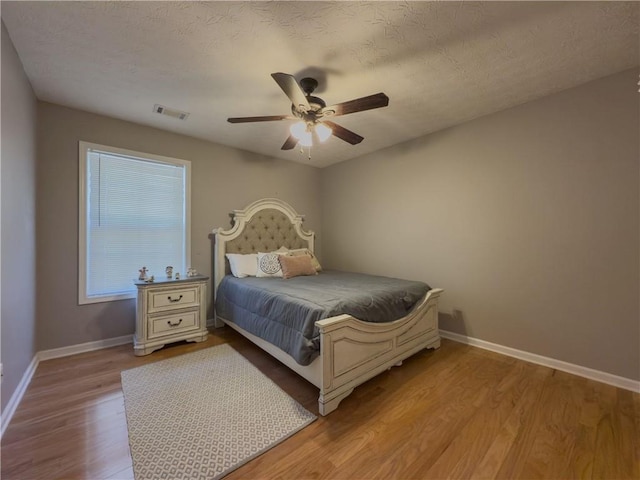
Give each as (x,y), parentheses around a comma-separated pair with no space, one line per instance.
(458,412)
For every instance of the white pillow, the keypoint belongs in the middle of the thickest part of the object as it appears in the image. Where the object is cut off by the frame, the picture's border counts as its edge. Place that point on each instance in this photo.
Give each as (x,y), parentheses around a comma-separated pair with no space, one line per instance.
(269,265)
(243,265)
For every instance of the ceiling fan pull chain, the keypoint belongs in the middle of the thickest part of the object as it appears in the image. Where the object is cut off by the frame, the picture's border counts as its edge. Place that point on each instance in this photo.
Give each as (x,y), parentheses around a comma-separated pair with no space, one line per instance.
(309,151)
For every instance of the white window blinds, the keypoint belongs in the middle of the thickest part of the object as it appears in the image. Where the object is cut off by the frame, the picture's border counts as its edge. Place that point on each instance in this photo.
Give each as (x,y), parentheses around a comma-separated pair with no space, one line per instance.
(136,215)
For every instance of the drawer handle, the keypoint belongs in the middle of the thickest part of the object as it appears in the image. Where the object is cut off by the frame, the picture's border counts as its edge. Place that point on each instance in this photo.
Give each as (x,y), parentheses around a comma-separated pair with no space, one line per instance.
(174,324)
(174,300)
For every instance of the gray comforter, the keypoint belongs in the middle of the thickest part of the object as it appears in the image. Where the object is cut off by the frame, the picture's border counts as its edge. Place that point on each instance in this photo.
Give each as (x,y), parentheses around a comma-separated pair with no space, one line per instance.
(284,312)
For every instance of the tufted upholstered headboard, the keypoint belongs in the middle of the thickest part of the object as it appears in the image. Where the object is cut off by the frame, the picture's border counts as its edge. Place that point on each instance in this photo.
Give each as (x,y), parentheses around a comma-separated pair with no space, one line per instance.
(267,230)
(263,226)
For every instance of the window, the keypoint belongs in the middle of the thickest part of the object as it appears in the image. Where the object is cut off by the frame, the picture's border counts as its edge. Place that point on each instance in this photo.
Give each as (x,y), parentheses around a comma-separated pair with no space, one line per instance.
(134,212)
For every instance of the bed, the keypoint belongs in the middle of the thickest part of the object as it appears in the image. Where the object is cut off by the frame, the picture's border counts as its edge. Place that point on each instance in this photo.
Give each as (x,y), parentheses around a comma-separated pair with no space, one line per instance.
(348,351)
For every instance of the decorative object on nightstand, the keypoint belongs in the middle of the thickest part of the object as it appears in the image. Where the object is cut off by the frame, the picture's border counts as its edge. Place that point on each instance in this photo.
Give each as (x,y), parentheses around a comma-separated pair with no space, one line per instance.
(169,271)
(169,311)
(177,275)
(143,273)
(191,272)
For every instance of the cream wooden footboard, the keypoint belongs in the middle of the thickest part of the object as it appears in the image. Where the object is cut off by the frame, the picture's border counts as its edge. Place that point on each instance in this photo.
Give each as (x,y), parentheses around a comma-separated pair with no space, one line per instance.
(351,351)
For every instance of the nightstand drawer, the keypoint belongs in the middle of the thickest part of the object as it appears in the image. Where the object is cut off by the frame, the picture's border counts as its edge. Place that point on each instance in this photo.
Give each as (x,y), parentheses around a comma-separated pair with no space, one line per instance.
(169,324)
(175,298)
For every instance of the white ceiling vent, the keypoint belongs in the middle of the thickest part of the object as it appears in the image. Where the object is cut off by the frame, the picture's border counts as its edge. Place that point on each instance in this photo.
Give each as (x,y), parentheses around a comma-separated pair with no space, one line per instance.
(171,112)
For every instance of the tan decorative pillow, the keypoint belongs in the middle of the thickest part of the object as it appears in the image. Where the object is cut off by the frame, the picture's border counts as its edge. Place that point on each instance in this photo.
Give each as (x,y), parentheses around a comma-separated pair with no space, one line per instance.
(305,251)
(294,266)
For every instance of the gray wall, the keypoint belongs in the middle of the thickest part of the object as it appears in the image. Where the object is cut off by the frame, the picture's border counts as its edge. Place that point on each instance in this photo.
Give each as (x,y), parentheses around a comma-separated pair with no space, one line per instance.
(223,179)
(528,218)
(18,214)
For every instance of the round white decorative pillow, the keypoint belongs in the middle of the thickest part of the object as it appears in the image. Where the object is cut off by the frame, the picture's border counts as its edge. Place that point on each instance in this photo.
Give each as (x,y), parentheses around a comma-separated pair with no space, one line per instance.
(269,265)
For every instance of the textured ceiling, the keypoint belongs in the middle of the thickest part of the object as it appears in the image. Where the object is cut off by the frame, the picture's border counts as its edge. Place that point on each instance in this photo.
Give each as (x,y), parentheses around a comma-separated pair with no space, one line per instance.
(440,63)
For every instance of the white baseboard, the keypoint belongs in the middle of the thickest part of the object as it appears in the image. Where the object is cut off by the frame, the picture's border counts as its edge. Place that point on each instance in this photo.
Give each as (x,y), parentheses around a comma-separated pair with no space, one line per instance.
(15,399)
(608,378)
(83,347)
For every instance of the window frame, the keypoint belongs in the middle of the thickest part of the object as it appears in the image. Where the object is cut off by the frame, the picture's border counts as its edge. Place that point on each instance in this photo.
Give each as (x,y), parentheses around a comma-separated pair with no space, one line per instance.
(83,150)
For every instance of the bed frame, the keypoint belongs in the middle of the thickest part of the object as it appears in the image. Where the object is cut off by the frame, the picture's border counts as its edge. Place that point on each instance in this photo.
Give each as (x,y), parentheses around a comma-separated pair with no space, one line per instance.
(351,351)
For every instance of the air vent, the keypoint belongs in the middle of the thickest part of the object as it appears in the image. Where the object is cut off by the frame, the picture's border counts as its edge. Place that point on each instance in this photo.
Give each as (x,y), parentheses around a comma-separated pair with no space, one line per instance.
(171,112)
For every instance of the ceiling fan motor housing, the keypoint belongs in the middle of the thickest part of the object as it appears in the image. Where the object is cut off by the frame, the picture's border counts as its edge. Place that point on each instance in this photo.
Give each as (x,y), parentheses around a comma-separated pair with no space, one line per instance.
(308,85)
(316,105)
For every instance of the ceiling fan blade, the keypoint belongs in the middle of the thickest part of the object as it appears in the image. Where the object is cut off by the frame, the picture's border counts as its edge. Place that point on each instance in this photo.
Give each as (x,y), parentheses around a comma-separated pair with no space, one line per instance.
(290,87)
(358,105)
(260,119)
(342,133)
(290,143)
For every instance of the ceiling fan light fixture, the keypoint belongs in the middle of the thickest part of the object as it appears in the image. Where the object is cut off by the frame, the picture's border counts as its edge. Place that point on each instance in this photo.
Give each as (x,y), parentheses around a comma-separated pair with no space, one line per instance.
(298,129)
(323,132)
(302,133)
(305,140)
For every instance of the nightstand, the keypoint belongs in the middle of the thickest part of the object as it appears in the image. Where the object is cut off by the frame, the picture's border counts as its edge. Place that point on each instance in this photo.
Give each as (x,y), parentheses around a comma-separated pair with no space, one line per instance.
(170,310)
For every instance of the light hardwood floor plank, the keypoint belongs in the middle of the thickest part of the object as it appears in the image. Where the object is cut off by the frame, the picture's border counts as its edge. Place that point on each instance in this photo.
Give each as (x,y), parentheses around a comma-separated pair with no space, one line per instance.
(505,438)
(470,447)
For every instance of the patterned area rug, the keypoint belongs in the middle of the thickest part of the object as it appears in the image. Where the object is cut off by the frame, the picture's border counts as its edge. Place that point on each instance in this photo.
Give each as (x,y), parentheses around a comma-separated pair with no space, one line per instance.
(204,414)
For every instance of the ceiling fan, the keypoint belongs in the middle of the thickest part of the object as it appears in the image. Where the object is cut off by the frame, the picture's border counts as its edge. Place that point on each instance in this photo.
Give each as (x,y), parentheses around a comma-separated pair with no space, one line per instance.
(312,112)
